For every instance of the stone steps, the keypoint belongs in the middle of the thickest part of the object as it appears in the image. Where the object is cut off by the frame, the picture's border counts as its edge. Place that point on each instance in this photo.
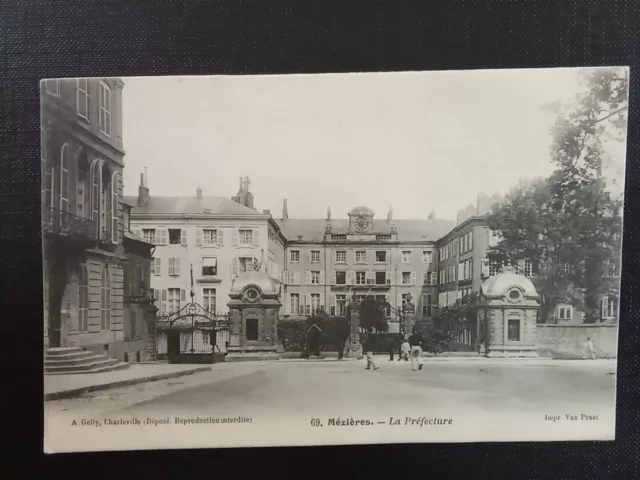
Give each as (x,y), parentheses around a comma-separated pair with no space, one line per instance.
(74,360)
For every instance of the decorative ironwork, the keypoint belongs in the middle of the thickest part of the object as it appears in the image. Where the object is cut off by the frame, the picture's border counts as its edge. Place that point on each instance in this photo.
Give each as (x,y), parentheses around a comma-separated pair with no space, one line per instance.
(60,222)
(193,335)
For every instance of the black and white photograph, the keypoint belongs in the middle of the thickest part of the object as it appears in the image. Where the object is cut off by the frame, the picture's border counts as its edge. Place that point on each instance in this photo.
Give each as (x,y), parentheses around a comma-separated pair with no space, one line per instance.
(330,259)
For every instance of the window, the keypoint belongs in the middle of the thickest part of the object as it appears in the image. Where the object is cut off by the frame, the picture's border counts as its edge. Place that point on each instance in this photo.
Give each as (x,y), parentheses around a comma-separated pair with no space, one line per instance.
(494,268)
(361,278)
(609,307)
(471,240)
(361,256)
(175,236)
(295,303)
(315,302)
(426,257)
(252,329)
(64,178)
(52,87)
(83,298)
(246,237)
(295,256)
(174,266)
(513,330)
(341,304)
(83,98)
(174,300)
(381,278)
(47,171)
(209,300)
(149,235)
(105,300)
(210,236)
(612,269)
(528,268)
(434,278)
(406,278)
(209,266)
(156,265)
(381,256)
(425,278)
(341,278)
(426,304)
(341,256)
(81,185)
(406,256)
(246,264)
(315,278)
(565,313)
(315,256)
(95,190)
(105,109)
(114,207)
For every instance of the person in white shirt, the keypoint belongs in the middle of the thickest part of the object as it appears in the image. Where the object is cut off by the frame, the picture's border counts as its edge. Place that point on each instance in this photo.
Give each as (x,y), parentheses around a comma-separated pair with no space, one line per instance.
(591,349)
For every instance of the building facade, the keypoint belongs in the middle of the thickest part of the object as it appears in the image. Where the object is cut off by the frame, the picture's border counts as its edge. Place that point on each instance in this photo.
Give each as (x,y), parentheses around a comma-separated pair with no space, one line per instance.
(202,243)
(138,303)
(328,261)
(82,163)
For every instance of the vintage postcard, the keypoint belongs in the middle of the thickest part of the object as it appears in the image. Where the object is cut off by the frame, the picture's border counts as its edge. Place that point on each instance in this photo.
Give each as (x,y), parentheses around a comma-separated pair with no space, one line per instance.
(239,261)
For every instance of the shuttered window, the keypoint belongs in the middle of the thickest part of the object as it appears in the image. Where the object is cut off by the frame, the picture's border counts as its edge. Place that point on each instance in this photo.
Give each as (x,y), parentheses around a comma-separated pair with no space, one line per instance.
(105,299)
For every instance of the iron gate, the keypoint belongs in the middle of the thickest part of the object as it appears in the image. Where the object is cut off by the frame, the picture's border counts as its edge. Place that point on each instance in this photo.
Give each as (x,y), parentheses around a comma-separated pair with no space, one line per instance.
(192,335)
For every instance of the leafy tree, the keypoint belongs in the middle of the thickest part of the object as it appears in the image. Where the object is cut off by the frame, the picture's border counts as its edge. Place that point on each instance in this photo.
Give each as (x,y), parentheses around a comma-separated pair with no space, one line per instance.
(449,321)
(569,225)
(372,315)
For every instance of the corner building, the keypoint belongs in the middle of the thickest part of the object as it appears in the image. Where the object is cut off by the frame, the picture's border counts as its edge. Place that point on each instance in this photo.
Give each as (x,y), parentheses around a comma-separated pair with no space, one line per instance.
(82,161)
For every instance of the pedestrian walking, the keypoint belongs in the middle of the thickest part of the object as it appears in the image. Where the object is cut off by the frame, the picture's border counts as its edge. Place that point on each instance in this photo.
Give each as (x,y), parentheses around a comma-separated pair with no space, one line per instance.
(368,348)
(415,341)
(392,343)
(406,350)
(591,349)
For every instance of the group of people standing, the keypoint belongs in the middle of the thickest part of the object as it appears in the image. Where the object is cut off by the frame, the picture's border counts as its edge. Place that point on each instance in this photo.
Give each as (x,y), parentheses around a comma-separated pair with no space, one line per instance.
(411,346)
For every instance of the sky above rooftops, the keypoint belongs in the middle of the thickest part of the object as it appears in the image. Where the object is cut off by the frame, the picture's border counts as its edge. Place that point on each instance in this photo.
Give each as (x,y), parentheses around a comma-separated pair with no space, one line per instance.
(418,141)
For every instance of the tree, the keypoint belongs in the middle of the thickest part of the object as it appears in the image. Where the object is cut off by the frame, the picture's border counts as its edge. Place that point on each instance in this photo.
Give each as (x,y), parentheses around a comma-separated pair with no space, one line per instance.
(449,321)
(569,225)
(372,315)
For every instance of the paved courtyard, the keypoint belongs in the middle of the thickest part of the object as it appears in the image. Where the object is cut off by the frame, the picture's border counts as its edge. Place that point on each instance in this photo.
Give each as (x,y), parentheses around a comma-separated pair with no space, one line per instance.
(332,387)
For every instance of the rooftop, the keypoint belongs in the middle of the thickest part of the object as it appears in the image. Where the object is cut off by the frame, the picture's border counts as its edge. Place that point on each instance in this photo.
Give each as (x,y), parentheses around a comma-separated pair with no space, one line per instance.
(189,206)
(312,230)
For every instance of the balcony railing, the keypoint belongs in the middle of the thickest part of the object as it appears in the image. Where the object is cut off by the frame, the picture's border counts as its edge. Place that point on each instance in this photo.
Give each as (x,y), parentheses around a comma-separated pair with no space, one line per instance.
(59,222)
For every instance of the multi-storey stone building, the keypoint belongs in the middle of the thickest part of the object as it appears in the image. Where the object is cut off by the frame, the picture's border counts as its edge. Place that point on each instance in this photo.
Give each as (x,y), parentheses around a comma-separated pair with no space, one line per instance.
(82,214)
(327,261)
(208,239)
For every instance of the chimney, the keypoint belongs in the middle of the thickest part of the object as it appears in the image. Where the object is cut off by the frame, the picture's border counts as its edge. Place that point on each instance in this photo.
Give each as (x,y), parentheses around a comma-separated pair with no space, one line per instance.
(266,212)
(199,192)
(285,212)
(244,196)
(390,215)
(143,190)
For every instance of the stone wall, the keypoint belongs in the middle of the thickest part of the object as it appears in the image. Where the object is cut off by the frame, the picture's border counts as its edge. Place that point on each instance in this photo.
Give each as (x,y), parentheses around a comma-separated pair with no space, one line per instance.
(569,341)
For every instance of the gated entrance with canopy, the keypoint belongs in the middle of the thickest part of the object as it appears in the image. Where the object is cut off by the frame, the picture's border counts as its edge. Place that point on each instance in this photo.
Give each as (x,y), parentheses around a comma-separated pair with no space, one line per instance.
(192,335)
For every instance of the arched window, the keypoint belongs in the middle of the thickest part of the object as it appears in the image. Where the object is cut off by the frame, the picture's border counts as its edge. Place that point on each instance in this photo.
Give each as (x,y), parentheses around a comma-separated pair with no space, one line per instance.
(82,180)
(83,298)
(47,170)
(114,207)
(64,178)
(105,300)
(95,192)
